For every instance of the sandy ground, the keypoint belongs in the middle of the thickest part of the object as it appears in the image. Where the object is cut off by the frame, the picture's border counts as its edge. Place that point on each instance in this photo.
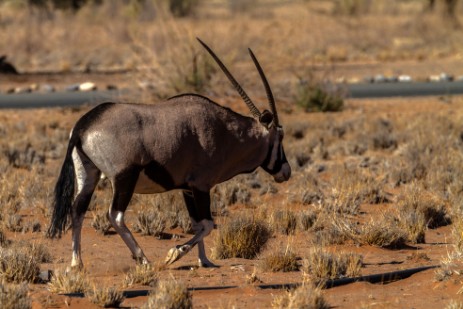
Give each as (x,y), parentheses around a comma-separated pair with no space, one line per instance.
(107,259)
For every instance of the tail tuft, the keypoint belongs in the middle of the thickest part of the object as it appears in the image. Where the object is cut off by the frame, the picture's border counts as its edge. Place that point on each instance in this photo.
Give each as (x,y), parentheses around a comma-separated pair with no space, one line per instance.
(63,197)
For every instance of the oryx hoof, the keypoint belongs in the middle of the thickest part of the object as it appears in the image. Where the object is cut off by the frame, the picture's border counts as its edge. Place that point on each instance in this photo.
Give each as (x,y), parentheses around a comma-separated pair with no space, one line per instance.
(141,260)
(207,264)
(176,253)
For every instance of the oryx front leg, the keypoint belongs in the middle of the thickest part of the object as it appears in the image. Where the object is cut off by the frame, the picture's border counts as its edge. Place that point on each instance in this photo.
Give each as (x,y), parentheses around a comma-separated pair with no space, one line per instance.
(198,205)
(177,252)
(123,188)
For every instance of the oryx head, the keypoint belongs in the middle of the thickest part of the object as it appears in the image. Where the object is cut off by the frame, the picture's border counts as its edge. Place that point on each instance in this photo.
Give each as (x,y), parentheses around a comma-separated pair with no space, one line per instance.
(275,162)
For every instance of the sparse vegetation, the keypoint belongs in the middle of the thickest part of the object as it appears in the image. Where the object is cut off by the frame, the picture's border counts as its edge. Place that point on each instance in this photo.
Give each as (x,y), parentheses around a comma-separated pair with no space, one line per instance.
(169,294)
(68,282)
(241,237)
(17,266)
(321,264)
(106,297)
(305,296)
(383,173)
(144,274)
(14,296)
(279,260)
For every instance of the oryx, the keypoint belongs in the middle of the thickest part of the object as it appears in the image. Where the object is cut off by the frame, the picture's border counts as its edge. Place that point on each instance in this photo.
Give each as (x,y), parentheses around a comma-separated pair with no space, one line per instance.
(187,142)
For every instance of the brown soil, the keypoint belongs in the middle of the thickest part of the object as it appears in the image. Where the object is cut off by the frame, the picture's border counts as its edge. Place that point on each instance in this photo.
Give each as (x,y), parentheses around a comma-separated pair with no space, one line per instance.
(107,259)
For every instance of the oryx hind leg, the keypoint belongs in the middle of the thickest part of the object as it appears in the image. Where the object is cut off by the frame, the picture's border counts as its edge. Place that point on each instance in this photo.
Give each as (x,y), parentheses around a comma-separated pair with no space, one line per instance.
(198,205)
(123,187)
(87,177)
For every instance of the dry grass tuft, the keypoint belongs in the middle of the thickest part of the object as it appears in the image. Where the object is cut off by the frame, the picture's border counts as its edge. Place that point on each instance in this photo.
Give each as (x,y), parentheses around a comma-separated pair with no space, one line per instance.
(101,222)
(241,237)
(383,233)
(305,296)
(17,265)
(284,261)
(144,274)
(14,296)
(149,221)
(283,221)
(68,282)
(169,294)
(106,297)
(321,264)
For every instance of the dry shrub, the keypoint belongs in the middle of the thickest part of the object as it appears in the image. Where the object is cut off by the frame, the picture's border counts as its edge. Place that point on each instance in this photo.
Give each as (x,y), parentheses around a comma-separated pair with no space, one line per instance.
(383,232)
(454,304)
(39,251)
(14,296)
(305,296)
(226,194)
(171,212)
(144,274)
(68,282)
(17,265)
(283,221)
(416,200)
(284,261)
(457,235)
(241,237)
(306,219)
(101,222)
(331,229)
(321,264)
(107,297)
(150,221)
(169,294)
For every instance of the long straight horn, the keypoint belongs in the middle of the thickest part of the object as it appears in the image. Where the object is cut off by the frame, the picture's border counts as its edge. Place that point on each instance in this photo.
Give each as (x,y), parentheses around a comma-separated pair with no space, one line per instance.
(271,99)
(254,111)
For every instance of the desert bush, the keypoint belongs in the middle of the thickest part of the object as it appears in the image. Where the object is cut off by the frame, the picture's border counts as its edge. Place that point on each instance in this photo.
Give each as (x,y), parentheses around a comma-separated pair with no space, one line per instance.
(106,297)
(283,221)
(149,221)
(331,229)
(13,296)
(14,222)
(169,294)
(240,237)
(101,222)
(318,98)
(305,296)
(321,264)
(144,274)
(383,232)
(183,8)
(68,282)
(229,193)
(381,134)
(454,304)
(414,224)
(306,219)
(416,200)
(280,260)
(39,251)
(171,210)
(18,266)
(24,158)
(457,235)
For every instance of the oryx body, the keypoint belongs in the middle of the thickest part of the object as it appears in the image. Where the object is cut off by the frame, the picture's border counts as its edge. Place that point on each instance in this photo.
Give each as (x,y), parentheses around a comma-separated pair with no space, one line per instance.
(187,142)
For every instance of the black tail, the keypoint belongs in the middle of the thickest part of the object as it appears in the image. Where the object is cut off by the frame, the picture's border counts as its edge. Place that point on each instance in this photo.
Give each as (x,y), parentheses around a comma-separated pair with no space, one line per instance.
(64,195)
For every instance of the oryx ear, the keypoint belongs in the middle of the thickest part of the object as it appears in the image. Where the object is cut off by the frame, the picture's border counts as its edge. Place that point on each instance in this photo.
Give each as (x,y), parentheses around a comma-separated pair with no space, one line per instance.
(266,118)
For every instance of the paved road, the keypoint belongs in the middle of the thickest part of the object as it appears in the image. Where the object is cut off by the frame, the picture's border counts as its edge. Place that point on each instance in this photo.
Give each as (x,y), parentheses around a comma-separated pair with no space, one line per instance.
(56,99)
(382,90)
(379,90)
